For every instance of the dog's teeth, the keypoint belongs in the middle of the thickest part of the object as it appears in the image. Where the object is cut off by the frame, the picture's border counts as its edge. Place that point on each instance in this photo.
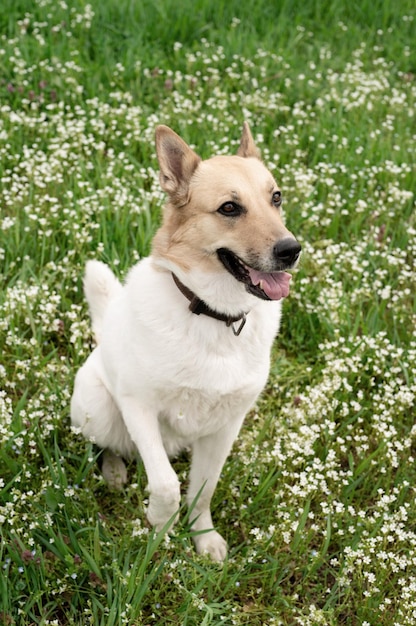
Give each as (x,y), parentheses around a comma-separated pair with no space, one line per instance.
(261,284)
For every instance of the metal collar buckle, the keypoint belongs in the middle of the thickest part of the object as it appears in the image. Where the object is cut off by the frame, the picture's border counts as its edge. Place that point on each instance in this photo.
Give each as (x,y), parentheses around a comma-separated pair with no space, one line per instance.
(237,330)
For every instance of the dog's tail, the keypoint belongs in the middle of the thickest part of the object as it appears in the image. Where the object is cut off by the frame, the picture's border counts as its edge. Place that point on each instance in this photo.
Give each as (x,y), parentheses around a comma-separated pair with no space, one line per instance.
(100,286)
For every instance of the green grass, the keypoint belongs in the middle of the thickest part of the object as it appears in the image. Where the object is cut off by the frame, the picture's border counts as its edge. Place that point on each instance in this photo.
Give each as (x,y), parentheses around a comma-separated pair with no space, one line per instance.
(317,498)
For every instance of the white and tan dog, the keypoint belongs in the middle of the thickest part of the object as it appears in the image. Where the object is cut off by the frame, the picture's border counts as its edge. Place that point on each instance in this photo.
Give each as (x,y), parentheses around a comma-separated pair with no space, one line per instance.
(184,346)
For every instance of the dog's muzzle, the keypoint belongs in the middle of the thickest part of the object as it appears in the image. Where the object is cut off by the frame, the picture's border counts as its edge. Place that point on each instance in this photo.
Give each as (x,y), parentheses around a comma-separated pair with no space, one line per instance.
(267,285)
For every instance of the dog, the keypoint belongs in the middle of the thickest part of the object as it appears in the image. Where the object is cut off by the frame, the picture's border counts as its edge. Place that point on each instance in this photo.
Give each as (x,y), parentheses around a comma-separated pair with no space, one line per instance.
(183,347)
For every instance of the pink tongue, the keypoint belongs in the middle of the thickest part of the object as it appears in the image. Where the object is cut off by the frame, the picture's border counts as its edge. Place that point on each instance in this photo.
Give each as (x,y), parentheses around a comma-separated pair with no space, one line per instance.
(275,285)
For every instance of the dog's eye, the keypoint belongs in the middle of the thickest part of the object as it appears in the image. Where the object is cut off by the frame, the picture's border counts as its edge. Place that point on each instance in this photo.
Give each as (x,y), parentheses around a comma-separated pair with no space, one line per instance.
(277,198)
(230,209)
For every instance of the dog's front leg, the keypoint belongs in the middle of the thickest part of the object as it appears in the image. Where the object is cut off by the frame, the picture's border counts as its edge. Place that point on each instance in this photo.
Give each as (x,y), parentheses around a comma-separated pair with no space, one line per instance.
(208,457)
(163,483)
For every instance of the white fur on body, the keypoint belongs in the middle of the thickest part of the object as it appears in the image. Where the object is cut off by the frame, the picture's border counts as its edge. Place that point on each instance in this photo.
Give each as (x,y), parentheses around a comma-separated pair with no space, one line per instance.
(163,378)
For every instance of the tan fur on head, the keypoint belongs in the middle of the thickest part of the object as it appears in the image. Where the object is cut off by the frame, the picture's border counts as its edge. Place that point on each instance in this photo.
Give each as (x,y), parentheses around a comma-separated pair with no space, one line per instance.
(192,229)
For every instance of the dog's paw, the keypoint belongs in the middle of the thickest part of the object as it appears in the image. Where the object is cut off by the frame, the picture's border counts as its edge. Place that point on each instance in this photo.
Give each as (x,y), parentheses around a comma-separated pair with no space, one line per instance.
(211,543)
(114,470)
(163,508)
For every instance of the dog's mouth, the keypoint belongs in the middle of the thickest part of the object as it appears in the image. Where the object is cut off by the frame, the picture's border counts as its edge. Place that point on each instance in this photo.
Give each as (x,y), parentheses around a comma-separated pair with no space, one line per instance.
(264,285)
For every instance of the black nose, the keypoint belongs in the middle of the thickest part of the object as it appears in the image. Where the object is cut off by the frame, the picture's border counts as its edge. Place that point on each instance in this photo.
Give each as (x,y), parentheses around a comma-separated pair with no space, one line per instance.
(287,251)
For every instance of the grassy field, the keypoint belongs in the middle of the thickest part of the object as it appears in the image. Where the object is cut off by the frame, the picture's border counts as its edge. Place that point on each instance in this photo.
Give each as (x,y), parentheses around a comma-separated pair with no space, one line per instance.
(317,500)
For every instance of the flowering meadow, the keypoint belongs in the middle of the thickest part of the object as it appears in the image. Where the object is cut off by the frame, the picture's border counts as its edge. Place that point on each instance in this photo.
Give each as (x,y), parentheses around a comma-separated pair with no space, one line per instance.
(318,498)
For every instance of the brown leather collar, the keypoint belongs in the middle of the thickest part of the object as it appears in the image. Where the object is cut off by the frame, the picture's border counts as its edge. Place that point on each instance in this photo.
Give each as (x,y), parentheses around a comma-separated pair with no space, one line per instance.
(199,307)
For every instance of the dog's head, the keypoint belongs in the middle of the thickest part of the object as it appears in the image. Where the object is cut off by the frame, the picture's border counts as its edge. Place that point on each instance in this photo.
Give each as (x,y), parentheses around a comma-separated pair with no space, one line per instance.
(223,217)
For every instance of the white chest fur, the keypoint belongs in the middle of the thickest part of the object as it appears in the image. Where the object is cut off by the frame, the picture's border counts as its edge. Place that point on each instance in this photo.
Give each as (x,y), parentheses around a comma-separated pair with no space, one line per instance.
(191,369)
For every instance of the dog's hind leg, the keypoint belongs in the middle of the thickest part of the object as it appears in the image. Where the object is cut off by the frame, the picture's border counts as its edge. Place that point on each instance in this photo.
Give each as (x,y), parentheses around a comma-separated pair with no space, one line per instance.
(95,413)
(113,470)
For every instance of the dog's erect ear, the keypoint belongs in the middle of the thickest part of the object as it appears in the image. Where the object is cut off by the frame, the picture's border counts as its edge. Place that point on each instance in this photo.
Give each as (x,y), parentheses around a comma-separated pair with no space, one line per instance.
(177,163)
(247,146)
